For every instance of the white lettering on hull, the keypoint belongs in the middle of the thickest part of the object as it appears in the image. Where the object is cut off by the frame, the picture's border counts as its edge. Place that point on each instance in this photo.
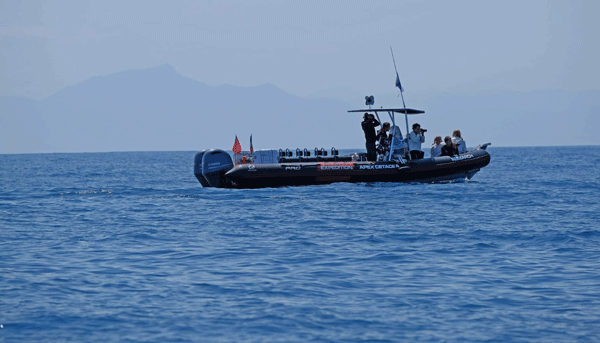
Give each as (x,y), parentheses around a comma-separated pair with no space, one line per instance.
(378,166)
(463,157)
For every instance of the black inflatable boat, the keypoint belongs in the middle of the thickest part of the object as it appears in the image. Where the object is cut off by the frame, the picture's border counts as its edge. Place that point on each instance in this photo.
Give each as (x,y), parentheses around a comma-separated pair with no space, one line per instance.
(215,168)
(278,168)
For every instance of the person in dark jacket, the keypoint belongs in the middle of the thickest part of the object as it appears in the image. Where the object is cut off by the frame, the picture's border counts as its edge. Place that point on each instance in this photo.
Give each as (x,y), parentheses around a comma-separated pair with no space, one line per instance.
(368,125)
(449,149)
(382,138)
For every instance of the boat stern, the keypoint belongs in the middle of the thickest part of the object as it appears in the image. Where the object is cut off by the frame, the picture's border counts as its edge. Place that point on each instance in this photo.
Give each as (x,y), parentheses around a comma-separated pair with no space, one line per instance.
(210,167)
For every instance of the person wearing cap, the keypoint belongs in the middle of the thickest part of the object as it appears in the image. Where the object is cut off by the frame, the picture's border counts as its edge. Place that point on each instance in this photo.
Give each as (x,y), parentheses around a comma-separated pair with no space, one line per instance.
(368,125)
(415,138)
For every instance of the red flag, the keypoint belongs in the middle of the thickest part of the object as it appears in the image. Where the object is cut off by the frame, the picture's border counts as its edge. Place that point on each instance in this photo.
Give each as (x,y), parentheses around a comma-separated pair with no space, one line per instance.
(237,147)
(251,147)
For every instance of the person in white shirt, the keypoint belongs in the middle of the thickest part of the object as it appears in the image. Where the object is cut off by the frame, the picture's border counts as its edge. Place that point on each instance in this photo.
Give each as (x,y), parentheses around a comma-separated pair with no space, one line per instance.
(457,140)
(415,138)
(436,147)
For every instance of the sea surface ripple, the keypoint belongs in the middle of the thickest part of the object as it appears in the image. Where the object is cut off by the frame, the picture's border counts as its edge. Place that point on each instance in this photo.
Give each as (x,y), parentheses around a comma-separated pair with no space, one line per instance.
(128,247)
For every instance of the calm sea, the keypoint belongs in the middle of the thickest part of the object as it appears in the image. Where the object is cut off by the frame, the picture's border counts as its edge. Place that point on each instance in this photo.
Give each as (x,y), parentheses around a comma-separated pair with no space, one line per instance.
(128,247)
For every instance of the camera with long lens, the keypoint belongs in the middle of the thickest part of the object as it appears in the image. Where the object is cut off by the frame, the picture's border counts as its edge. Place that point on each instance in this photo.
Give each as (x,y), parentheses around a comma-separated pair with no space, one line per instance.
(423,130)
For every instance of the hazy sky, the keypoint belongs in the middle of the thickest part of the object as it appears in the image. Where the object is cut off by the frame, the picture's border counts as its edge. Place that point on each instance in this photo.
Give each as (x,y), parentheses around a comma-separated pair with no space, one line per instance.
(306,47)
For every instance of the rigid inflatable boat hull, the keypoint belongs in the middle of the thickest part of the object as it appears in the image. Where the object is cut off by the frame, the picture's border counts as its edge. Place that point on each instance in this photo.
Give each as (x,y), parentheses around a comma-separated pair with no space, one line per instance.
(316,173)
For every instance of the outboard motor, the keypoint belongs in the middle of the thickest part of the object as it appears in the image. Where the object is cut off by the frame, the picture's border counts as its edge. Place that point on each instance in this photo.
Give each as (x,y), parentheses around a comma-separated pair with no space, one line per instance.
(210,167)
(198,168)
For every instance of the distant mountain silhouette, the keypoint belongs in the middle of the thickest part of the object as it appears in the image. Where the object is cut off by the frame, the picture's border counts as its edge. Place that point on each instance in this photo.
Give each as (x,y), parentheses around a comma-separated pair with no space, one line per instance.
(157,109)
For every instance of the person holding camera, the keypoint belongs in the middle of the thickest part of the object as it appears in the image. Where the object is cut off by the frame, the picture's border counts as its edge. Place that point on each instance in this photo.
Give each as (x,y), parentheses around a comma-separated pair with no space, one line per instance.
(368,125)
(415,138)
(382,138)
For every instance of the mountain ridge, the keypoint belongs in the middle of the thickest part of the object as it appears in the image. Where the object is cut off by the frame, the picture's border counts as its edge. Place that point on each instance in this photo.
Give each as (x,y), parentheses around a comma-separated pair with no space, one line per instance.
(158,109)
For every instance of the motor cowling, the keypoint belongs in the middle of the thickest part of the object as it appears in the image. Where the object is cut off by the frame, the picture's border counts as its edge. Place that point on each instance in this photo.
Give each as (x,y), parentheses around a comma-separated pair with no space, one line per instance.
(210,167)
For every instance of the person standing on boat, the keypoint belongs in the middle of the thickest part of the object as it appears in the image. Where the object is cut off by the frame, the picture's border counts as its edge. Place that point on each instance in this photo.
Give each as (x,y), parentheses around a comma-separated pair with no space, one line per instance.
(368,125)
(382,138)
(415,138)
(436,147)
(398,144)
(449,149)
(458,142)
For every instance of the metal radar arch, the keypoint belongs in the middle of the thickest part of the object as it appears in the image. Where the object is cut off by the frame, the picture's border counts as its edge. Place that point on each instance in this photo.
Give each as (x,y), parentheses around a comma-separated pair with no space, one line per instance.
(370,101)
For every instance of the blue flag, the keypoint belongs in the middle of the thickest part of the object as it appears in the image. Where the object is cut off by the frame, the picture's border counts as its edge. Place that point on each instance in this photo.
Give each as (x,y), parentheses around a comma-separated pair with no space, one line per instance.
(398,84)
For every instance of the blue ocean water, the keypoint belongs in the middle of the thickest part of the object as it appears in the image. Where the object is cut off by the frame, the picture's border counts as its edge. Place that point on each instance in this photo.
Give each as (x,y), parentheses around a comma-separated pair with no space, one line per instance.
(128,247)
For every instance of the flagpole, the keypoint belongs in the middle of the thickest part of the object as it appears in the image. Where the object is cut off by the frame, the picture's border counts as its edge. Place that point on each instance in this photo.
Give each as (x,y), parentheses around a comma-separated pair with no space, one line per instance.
(402,95)
(251,148)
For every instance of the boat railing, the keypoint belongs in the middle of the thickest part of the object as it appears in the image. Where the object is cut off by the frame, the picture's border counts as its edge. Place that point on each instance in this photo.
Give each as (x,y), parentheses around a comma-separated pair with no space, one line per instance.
(304,155)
